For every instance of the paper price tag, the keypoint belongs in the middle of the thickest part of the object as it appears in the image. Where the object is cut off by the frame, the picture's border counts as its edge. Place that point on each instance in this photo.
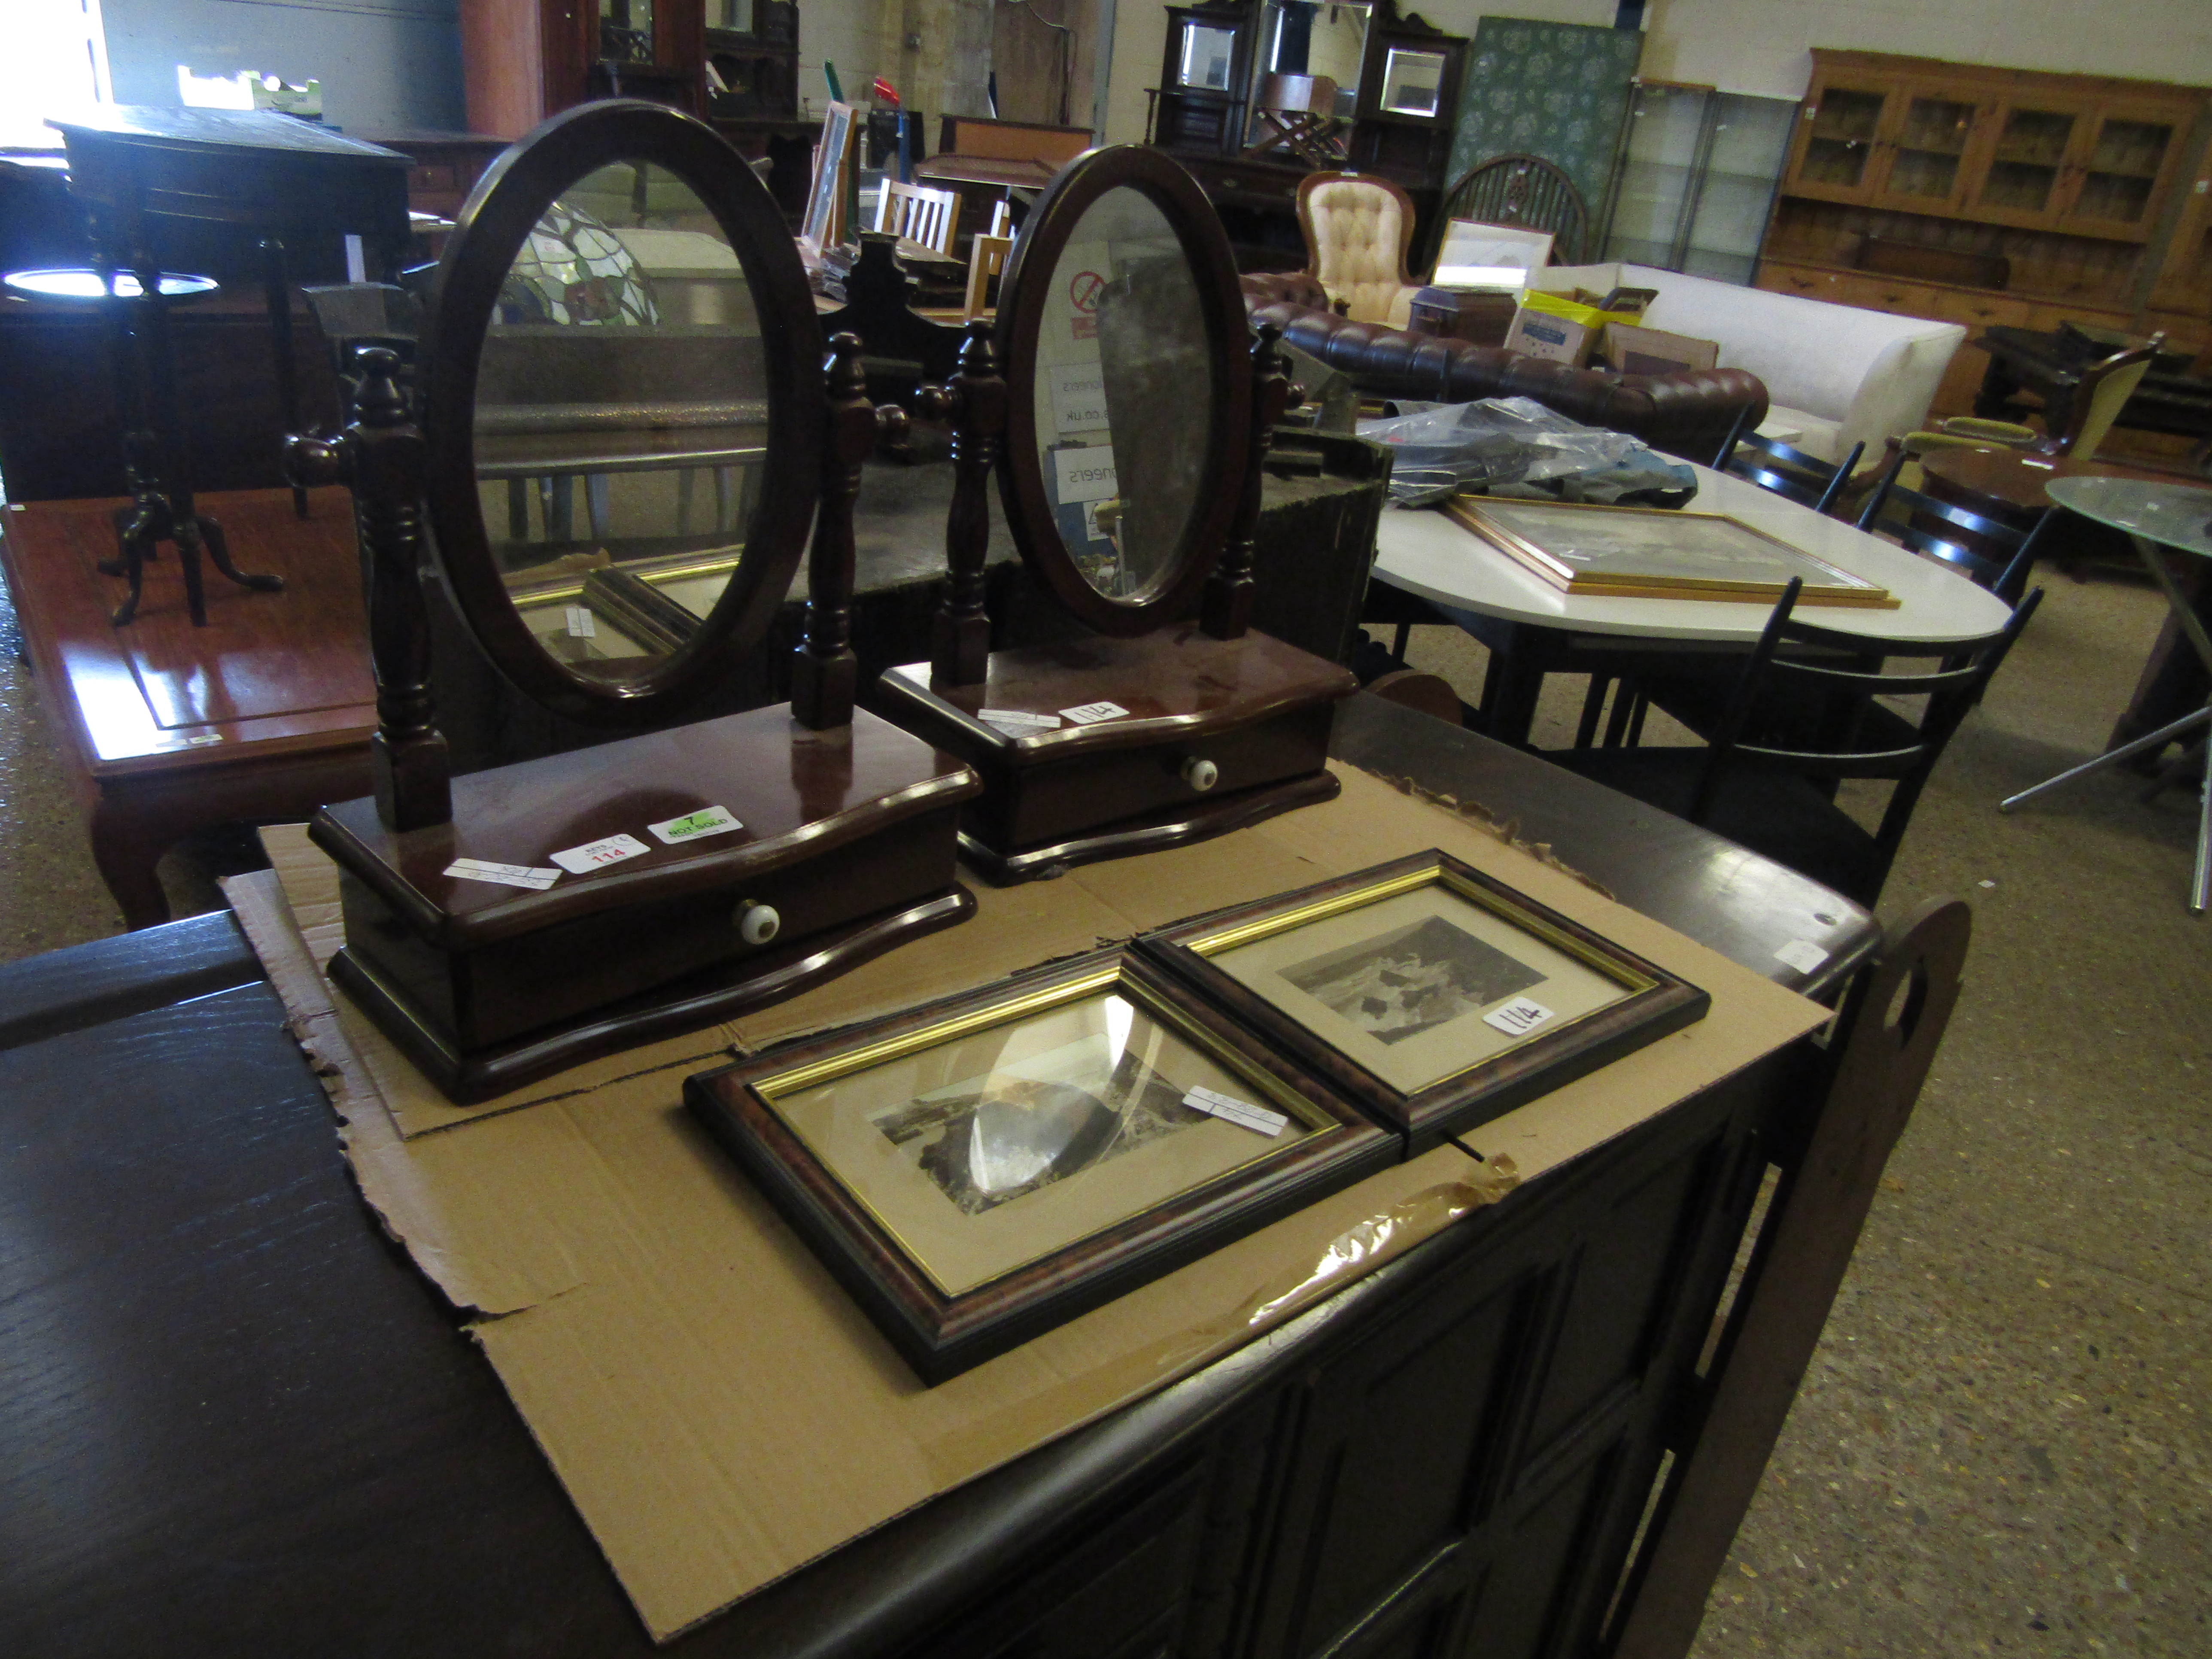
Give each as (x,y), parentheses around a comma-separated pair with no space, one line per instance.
(707,821)
(1802,955)
(1242,1113)
(1018,721)
(598,855)
(507,875)
(1519,1017)
(581,625)
(1091,713)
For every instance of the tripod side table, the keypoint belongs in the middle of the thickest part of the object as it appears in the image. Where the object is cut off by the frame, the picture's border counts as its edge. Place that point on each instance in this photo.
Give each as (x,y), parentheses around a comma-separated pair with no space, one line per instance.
(2152,516)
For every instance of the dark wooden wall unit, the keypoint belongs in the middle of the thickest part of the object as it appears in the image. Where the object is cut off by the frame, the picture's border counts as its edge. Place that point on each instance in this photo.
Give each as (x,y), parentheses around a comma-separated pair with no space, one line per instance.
(1447,1458)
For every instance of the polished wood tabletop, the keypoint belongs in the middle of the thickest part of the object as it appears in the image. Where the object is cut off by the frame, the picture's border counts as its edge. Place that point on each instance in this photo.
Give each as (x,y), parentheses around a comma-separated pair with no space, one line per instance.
(2015,478)
(235,1421)
(166,728)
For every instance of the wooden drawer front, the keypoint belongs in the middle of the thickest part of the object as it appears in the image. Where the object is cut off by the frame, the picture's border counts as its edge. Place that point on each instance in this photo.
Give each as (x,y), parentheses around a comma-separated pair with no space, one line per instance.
(431,176)
(503,990)
(1978,310)
(1117,1592)
(1801,280)
(1037,805)
(1619,1291)
(1370,1508)
(1899,299)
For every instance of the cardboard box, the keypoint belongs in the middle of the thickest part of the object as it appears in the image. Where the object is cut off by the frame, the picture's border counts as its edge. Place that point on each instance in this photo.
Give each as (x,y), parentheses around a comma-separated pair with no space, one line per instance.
(1634,349)
(1564,310)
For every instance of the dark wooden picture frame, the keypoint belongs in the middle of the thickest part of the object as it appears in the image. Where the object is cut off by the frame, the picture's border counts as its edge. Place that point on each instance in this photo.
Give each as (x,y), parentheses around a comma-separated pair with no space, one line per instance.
(1052,223)
(501,211)
(940,1335)
(1658,1003)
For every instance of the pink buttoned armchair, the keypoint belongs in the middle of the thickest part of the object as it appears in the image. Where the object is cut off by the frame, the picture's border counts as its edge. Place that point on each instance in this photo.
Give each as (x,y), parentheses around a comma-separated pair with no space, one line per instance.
(1357,229)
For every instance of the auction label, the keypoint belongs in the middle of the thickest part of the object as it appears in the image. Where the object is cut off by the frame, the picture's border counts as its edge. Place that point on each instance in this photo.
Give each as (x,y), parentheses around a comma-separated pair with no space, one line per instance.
(598,855)
(1243,1113)
(507,875)
(1091,713)
(707,821)
(1518,1018)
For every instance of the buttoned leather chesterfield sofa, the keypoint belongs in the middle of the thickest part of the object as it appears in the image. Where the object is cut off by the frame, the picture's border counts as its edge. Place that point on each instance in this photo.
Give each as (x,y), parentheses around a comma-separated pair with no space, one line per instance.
(1688,413)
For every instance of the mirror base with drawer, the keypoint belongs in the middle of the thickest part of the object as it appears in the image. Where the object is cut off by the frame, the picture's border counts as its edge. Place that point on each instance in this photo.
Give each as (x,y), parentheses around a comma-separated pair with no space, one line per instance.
(1218,734)
(844,847)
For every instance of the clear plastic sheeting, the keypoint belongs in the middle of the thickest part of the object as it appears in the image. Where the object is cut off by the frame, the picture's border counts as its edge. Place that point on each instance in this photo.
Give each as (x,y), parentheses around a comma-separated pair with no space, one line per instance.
(1515,446)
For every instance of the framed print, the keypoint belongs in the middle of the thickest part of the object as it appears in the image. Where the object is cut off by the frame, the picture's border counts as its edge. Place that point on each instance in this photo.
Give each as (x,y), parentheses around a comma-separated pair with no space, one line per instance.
(1433,995)
(981,1168)
(1657,553)
(824,224)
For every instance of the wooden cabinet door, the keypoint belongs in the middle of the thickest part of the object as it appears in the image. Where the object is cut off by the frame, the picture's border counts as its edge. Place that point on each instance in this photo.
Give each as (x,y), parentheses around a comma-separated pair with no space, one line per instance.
(1838,150)
(2125,165)
(2184,279)
(2023,171)
(1807,282)
(1925,159)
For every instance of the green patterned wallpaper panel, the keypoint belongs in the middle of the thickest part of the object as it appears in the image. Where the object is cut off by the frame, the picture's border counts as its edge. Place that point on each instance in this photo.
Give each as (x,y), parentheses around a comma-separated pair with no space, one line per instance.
(1557,90)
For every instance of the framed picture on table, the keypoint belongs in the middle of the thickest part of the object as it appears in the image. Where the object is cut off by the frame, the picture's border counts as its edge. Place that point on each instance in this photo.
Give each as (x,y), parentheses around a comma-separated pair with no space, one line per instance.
(1432,995)
(1657,553)
(979,1169)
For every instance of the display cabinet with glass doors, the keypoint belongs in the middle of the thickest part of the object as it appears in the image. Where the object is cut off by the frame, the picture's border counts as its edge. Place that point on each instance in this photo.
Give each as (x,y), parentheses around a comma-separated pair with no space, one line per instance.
(1694,178)
(1980,194)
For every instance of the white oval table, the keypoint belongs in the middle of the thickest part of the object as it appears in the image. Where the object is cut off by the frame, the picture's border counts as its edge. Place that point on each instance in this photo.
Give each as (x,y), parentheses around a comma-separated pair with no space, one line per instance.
(1533,629)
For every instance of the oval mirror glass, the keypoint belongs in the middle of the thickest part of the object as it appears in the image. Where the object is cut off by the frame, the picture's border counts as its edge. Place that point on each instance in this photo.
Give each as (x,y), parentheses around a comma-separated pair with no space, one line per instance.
(620,420)
(1124,352)
(621,329)
(1123,374)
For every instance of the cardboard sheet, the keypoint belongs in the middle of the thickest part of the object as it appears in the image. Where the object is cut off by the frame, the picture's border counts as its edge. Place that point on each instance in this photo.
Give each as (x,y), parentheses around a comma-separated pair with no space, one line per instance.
(718,1410)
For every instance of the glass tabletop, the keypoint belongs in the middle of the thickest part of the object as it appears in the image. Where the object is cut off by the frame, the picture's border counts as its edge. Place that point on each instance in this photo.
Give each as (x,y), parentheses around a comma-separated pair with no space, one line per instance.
(2172,516)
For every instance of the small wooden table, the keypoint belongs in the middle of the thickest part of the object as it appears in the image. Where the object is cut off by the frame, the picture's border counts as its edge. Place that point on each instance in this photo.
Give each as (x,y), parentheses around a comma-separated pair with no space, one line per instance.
(263,715)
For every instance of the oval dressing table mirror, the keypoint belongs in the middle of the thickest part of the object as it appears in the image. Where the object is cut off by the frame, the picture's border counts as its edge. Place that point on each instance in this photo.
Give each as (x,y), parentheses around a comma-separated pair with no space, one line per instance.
(627,427)
(1128,432)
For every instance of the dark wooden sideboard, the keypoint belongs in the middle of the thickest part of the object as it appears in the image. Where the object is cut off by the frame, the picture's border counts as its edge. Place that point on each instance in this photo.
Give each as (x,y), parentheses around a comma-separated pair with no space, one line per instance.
(233,1420)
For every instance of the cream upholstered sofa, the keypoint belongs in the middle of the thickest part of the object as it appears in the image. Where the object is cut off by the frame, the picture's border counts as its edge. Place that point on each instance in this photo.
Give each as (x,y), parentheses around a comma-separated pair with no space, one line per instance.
(1357,230)
(1835,376)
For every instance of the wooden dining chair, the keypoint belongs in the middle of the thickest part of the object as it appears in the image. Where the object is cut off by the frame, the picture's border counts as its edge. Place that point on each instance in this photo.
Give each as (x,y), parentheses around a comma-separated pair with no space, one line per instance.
(1993,554)
(920,215)
(986,258)
(1793,724)
(1788,472)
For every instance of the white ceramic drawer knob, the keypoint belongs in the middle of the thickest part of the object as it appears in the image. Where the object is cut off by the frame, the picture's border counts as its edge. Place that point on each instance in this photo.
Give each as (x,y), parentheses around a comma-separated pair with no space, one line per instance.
(1200,775)
(757,923)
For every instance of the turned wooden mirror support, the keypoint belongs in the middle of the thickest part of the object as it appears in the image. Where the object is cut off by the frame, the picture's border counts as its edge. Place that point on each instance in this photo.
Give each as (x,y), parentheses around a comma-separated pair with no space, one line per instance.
(379,454)
(1226,611)
(825,673)
(975,403)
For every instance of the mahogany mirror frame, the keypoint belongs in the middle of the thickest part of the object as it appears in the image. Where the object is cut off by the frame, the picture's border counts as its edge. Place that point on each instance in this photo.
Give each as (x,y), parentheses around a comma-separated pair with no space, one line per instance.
(1051,224)
(490,230)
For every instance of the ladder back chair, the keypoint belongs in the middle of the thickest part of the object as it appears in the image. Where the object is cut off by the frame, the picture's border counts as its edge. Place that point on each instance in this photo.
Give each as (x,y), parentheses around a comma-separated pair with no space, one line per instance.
(1788,472)
(920,215)
(1792,725)
(1993,554)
